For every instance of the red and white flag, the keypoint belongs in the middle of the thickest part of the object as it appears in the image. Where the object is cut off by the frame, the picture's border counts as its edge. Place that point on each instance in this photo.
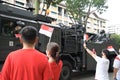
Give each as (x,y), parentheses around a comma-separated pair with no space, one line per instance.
(17,35)
(93,50)
(46,30)
(86,37)
(118,58)
(110,48)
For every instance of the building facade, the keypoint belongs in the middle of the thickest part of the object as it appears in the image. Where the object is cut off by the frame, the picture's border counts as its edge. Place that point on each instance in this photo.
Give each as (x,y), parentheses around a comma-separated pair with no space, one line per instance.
(114,29)
(95,23)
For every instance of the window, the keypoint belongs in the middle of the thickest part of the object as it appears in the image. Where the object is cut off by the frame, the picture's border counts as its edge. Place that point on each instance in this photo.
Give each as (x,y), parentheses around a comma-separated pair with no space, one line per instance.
(103,26)
(95,24)
(53,12)
(59,11)
(66,22)
(65,13)
(59,21)
(88,24)
(19,3)
(100,23)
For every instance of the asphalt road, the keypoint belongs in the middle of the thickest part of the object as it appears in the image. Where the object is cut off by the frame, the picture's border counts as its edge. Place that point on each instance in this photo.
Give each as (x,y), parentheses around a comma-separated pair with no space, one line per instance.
(86,76)
(83,76)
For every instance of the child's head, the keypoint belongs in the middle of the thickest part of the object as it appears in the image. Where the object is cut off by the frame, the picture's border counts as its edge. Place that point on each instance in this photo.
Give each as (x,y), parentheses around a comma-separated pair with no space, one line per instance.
(53,50)
(106,53)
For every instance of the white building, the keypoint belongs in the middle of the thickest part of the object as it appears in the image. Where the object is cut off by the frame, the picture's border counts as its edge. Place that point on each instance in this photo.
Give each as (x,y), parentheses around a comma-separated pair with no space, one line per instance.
(95,23)
(114,29)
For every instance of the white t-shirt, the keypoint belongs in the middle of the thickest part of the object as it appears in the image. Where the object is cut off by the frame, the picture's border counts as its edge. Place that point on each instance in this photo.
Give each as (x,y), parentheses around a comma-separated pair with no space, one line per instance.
(102,68)
(116,64)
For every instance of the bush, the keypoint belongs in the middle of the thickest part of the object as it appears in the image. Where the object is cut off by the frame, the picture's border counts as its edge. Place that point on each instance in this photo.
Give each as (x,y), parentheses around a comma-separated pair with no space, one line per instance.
(116,37)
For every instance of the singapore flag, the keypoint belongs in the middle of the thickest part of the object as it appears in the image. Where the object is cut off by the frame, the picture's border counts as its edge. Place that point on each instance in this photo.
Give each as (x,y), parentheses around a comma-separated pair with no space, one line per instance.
(110,48)
(17,35)
(86,37)
(46,30)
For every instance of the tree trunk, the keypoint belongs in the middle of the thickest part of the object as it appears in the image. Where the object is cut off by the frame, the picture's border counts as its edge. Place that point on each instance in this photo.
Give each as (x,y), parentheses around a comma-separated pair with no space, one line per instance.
(37,6)
(87,16)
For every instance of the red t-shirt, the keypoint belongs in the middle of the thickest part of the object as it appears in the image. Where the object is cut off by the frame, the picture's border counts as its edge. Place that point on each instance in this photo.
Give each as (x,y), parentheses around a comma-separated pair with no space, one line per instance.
(56,69)
(26,64)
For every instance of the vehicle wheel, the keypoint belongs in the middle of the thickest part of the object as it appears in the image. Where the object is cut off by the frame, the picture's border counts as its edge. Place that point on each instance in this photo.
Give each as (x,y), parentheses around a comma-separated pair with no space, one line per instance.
(66,71)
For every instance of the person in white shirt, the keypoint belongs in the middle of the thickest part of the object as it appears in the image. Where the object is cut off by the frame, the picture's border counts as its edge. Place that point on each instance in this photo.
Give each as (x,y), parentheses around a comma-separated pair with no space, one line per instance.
(102,63)
(116,66)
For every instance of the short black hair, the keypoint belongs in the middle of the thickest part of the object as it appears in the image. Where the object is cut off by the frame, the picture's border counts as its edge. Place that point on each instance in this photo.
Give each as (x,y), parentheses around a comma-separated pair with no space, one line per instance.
(29,34)
(106,52)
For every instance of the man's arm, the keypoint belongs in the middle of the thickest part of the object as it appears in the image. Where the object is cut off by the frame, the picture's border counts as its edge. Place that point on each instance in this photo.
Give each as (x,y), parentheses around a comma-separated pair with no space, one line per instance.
(89,51)
(116,66)
(115,70)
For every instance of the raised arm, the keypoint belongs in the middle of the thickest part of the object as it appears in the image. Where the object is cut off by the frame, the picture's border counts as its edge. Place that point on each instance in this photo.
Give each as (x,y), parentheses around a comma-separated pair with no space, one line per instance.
(89,51)
(116,66)
(115,70)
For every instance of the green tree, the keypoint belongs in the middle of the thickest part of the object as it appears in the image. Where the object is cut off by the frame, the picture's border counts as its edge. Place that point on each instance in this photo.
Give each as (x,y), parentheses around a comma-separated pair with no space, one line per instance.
(36,4)
(83,8)
(116,38)
(51,2)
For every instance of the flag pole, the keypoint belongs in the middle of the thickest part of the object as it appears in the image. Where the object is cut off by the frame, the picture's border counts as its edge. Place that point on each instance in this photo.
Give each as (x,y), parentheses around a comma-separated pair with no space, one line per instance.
(111,47)
(116,52)
(49,40)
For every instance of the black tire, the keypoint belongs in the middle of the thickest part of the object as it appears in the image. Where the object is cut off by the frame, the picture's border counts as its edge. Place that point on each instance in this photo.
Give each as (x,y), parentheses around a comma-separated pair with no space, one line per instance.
(66,71)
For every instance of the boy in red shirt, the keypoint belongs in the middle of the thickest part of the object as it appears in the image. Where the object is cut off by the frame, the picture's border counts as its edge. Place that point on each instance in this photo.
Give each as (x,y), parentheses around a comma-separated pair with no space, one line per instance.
(27,63)
(54,60)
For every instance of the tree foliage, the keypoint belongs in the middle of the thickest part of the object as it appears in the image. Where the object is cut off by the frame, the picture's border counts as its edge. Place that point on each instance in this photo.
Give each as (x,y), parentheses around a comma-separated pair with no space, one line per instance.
(45,2)
(51,2)
(116,38)
(83,8)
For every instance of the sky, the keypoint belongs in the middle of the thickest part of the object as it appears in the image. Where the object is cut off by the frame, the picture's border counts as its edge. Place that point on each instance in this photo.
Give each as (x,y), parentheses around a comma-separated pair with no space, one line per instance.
(113,12)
